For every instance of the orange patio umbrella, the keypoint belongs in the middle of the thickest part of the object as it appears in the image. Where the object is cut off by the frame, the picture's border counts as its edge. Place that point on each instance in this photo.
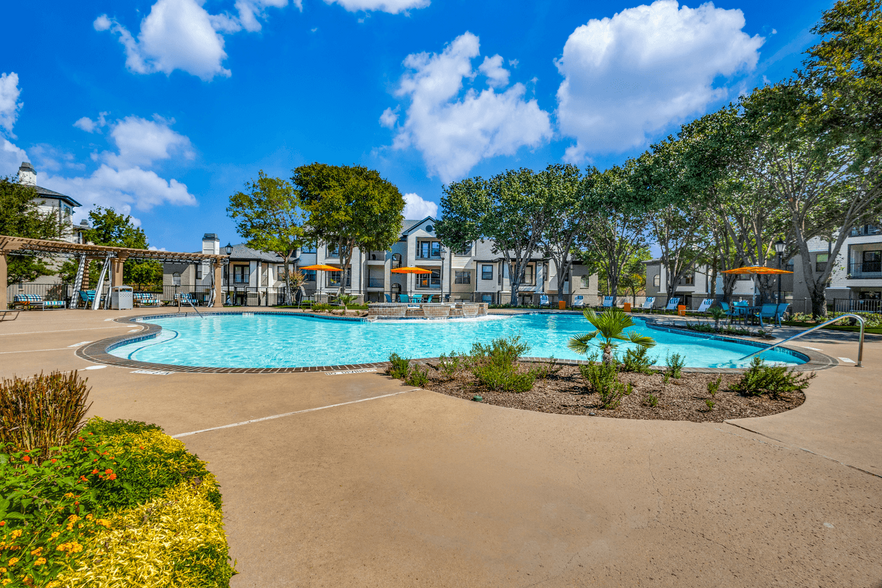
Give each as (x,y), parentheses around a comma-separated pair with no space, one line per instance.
(410,270)
(322,268)
(756,270)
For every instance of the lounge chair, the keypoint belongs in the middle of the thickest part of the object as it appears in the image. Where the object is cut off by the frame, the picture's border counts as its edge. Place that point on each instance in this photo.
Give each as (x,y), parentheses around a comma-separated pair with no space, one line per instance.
(672,304)
(187,298)
(388,298)
(146,299)
(705,305)
(543,300)
(767,311)
(29,301)
(429,299)
(417,299)
(779,312)
(609,301)
(87,297)
(579,301)
(404,298)
(648,303)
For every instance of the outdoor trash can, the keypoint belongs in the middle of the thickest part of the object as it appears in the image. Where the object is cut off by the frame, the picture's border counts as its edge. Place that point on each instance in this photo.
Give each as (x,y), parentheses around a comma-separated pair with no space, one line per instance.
(562,304)
(122,298)
(681,309)
(627,307)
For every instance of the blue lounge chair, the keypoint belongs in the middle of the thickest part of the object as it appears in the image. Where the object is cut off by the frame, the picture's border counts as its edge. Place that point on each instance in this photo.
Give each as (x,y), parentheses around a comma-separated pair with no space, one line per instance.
(417,299)
(388,298)
(609,301)
(429,299)
(543,300)
(672,304)
(768,311)
(648,303)
(404,298)
(705,305)
(779,312)
(29,301)
(579,301)
(87,297)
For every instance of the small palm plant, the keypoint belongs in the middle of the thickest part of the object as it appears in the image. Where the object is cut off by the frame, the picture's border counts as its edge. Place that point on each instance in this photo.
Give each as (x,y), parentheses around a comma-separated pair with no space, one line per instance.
(610,327)
(345,300)
(718,314)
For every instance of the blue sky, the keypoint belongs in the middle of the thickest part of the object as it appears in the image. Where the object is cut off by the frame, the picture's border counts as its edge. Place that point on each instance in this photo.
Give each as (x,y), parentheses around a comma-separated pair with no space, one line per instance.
(163,108)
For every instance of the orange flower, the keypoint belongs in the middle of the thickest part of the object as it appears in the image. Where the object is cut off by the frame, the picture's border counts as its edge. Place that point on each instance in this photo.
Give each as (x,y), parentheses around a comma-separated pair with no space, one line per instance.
(2,523)
(27,458)
(112,476)
(95,471)
(108,471)
(54,460)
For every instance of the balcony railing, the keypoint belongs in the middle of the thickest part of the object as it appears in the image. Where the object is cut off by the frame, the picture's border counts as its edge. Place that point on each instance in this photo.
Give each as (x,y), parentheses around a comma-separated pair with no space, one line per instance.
(376,283)
(865,270)
(421,255)
(866,230)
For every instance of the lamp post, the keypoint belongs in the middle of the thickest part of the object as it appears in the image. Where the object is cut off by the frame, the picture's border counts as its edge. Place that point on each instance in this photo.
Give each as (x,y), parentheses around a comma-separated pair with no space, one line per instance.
(779,249)
(229,250)
(443,258)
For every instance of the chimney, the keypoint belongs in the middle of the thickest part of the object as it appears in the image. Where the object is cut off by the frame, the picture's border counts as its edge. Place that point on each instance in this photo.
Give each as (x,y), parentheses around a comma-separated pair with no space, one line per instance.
(27,175)
(210,244)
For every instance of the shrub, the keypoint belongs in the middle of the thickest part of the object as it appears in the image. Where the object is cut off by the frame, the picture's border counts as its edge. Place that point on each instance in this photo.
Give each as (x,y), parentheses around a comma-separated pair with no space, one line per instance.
(701,328)
(504,379)
(399,367)
(416,376)
(452,365)
(651,400)
(777,382)
(42,412)
(545,370)
(500,352)
(714,386)
(675,363)
(710,404)
(603,379)
(637,360)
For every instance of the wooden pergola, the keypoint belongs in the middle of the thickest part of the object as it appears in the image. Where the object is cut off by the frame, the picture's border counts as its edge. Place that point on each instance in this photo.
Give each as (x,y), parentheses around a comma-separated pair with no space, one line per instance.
(117,256)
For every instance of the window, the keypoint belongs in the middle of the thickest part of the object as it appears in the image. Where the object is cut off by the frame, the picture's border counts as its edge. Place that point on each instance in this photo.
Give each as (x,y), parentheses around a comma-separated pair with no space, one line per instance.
(240,274)
(308,249)
(486,272)
(198,271)
(529,275)
(432,280)
(336,278)
(428,249)
(396,260)
(872,261)
(656,280)
(586,281)
(487,298)
(465,251)
(688,279)
(463,278)
(310,275)
(821,262)
(176,279)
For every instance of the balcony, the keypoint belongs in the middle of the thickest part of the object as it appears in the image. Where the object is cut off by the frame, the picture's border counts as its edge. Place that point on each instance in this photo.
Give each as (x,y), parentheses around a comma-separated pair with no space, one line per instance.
(866,231)
(376,283)
(865,270)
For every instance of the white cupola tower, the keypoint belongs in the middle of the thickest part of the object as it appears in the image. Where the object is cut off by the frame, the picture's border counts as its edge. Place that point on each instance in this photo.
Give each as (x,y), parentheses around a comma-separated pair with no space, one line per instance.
(27,175)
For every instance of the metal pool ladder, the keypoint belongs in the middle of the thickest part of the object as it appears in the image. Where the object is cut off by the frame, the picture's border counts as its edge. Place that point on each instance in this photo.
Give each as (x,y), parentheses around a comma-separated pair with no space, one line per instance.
(815,328)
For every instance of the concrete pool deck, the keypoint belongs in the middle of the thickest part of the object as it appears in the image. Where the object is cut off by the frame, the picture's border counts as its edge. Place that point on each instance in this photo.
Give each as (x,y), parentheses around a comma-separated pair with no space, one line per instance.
(412,488)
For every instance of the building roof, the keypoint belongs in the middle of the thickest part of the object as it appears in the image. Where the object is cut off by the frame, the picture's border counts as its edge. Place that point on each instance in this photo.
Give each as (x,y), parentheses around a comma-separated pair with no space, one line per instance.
(243,253)
(47,193)
(410,224)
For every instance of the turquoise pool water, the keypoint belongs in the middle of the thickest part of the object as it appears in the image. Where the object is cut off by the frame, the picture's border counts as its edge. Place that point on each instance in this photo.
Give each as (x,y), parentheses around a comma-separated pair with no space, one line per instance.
(267,340)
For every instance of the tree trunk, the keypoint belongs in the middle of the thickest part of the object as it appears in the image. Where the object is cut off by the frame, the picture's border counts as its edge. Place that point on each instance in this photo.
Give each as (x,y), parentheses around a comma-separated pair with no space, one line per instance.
(287,281)
(819,300)
(608,355)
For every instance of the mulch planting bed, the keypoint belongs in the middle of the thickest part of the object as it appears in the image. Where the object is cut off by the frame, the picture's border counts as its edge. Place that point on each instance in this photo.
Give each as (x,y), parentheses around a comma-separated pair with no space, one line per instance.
(678,400)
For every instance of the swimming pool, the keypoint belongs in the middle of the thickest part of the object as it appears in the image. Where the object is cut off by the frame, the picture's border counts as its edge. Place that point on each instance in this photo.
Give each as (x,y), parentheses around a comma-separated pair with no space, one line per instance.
(266,340)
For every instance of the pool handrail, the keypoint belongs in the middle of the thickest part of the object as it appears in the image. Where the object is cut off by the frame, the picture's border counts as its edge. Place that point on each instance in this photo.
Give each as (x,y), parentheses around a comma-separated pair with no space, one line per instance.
(815,328)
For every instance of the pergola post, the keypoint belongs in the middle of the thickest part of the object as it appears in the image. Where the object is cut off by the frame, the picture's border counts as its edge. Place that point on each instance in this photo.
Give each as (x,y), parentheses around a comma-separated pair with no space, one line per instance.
(218,284)
(3,285)
(117,271)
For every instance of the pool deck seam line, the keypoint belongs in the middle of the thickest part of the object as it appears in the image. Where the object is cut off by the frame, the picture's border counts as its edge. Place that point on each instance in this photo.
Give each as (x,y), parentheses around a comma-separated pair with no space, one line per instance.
(287,414)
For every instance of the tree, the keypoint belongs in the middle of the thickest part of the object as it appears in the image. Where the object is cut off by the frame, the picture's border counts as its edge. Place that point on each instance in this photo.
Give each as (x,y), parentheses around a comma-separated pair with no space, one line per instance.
(569,210)
(610,327)
(349,207)
(268,216)
(634,273)
(618,223)
(510,209)
(113,229)
(20,217)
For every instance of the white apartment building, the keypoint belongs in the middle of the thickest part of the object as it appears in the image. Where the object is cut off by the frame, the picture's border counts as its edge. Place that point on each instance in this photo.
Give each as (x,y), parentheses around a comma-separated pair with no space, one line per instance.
(55,204)
(474,274)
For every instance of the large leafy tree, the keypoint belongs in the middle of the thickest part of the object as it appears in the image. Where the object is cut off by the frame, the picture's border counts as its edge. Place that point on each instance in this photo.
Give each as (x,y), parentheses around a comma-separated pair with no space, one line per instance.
(511,209)
(569,212)
(20,217)
(633,277)
(617,223)
(269,217)
(350,206)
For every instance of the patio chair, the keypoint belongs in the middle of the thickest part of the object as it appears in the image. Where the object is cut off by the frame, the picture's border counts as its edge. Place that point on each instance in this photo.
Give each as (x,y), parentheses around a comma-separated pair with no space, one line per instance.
(648,303)
(417,299)
(404,298)
(768,311)
(543,300)
(429,299)
(87,297)
(672,304)
(705,305)
(388,298)
(579,301)
(779,312)
(608,302)
(27,301)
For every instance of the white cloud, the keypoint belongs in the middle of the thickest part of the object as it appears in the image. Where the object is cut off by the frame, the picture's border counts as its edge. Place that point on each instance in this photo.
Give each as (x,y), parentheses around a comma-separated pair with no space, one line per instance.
(417,208)
(11,157)
(141,142)
(454,133)
(252,10)
(390,6)
(90,126)
(647,67)
(389,118)
(47,157)
(9,103)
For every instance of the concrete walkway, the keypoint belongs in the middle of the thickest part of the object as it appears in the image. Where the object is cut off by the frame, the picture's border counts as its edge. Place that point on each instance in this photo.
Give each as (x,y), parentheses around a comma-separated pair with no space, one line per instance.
(396,487)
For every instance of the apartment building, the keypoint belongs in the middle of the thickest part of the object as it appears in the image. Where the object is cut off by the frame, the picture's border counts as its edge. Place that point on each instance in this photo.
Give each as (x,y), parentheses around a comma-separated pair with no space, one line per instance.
(475,273)
(694,286)
(50,202)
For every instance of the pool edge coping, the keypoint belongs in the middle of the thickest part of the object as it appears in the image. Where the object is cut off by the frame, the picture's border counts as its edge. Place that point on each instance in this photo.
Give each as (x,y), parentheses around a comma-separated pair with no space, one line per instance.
(98,352)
